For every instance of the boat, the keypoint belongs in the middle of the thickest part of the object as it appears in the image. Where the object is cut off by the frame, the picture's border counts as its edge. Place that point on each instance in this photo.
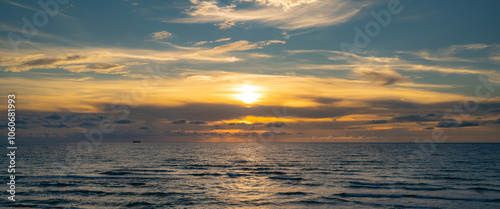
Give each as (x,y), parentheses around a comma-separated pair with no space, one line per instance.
(136,141)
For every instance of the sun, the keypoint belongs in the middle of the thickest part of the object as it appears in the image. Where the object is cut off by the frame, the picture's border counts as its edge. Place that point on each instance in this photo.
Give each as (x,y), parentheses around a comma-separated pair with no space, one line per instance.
(248,94)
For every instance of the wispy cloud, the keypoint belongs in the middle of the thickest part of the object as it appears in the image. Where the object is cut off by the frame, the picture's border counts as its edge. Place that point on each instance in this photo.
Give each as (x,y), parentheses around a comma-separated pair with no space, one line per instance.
(385,77)
(83,79)
(200,43)
(448,54)
(290,15)
(33,9)
(382,64)
(160,35)
(115,60)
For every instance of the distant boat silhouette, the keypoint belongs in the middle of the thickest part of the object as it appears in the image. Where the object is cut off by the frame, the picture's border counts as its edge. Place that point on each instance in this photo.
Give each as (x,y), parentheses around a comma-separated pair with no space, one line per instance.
(136,141)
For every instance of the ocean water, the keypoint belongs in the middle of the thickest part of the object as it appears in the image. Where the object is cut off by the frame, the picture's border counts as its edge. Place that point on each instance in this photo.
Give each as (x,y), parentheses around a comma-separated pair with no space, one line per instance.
(257,175)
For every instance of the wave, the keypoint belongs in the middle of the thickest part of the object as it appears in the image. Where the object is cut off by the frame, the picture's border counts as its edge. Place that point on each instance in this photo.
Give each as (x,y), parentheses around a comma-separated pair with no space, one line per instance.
(286,178)
(138,204)
(413,187)
(484,189)
(388,183)
(269,172)
(309,202)
(81,192)
(416,196)
(162,194)
(116,173)
(256,168)
(137,183)
(425,188)
(205,174)
(292,193)
(236,174)
(56,184)
(398,187)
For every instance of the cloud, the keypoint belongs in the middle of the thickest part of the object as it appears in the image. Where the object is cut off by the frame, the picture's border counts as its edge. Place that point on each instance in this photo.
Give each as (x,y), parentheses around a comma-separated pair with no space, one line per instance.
(284,4)
(34,9)
(116,60)
(444,124)
(449,54)
(48,125)
(200,43)
(54,116)
(87,124)
(222,39)
(197,122)
(243,46)
(44,62)
(390,65)
(98,68)
(124,121)
(411,118)
(179,121)
(220,87)
(160,35)
(385,78)
(377,122)
(225,25)
(393,104)
(217,112)
(290,15)
(83,79)
(324,100)
(277,125)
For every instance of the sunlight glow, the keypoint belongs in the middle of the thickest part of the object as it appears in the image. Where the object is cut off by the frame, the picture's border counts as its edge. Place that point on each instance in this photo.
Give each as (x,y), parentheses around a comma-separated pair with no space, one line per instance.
(248,94)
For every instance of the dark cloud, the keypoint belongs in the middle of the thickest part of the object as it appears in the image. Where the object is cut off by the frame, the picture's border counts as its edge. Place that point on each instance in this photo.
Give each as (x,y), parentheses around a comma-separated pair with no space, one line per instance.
(278,125)
(384,78)
(197,122)
(21,122)
(101,66)
(270,133)
(124,121)
(494,106)
(86,124)
(54,116)
(324,100)
(144,128)
(495,110)
(74,57)
(237,124)
(42,61)
(216,112)
(48,125)
(394,104)
(179,121)
(412,118)
(48,61)
(444,124)
(377,122)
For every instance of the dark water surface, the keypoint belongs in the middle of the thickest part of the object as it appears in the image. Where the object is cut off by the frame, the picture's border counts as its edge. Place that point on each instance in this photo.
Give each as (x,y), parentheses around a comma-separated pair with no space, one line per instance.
(252,175)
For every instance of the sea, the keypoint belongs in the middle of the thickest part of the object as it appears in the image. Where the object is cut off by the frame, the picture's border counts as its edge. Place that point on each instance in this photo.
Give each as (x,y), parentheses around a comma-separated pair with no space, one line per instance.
(254,175)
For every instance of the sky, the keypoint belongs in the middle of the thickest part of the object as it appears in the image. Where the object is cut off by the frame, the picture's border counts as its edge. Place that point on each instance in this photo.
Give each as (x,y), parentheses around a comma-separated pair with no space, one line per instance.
(252,70)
